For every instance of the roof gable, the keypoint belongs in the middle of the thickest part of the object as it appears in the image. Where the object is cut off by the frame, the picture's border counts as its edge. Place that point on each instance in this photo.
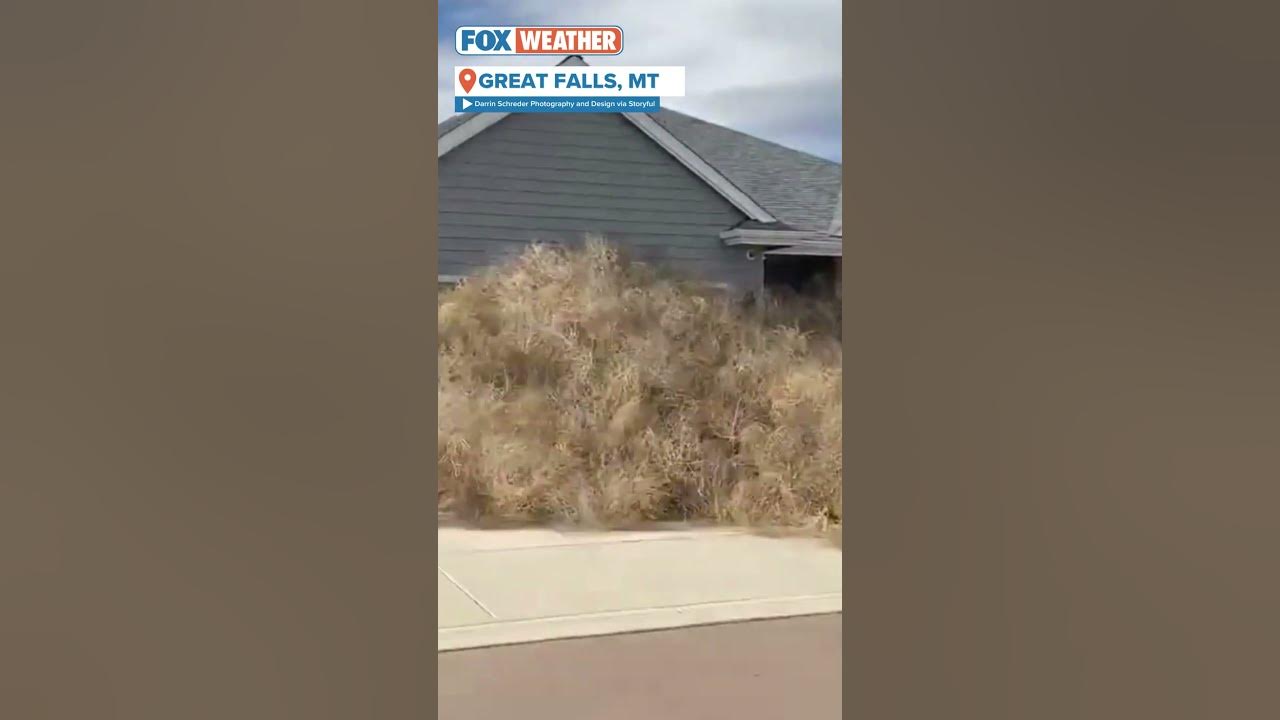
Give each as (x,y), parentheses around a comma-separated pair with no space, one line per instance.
(770,183)
(467,128)
(808,197)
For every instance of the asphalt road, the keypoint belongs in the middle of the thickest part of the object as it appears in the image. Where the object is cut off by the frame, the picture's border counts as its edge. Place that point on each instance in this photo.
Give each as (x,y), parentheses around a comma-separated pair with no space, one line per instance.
(768,670)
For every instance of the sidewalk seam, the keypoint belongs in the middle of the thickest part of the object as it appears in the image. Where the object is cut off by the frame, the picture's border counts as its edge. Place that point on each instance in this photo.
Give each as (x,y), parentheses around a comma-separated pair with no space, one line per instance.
(616,622)
(466,592)
(624,612)
(585,543)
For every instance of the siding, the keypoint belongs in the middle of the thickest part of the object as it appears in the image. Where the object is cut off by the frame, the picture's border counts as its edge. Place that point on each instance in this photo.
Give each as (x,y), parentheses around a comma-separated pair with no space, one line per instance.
(556,178)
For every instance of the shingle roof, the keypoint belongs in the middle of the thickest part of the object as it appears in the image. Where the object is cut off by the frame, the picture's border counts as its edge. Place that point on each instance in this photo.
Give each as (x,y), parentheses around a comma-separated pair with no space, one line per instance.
(799,189)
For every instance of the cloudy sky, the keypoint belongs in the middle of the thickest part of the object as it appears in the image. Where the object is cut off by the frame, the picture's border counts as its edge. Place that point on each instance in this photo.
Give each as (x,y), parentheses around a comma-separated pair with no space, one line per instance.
(766,67)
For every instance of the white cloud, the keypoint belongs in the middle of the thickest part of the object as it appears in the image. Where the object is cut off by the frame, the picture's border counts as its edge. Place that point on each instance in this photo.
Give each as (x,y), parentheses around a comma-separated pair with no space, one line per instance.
(766,67)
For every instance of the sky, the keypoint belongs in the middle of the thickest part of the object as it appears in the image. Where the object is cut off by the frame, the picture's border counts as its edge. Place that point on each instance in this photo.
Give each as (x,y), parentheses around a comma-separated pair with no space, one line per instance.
(770,68)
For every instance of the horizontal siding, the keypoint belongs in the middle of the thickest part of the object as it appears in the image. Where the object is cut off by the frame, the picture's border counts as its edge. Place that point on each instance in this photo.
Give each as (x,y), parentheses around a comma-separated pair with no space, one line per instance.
(484,247)
(532,165)
(592,194)
(517,150)
(460,233)
(603,186)
(559,177)
(563,207)
(573,227)
(554,173)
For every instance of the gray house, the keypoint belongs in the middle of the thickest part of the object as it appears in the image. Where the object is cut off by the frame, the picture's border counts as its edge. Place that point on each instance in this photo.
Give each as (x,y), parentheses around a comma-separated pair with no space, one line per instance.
(740,212)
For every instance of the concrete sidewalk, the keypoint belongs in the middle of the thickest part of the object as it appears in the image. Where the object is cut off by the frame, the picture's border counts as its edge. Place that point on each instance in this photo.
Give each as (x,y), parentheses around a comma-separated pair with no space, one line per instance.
(502,587)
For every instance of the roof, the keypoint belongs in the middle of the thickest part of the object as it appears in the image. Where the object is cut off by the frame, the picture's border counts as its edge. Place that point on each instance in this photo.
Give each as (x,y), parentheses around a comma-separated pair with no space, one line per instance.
(799,189)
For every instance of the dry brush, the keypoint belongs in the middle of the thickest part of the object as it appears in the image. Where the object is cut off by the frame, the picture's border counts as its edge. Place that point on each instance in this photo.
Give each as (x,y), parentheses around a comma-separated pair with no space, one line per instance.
(580,386)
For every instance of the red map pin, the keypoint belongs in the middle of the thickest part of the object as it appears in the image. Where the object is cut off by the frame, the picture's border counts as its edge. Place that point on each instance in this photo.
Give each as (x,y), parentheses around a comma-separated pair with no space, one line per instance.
(468,79)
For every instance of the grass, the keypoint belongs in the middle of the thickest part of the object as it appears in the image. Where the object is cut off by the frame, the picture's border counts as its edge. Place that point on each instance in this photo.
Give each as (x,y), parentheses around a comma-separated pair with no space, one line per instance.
(580,386)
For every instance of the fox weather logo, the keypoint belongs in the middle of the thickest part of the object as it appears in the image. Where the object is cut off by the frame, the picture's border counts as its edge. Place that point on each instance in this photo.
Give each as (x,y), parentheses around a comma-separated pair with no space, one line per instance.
(538,40)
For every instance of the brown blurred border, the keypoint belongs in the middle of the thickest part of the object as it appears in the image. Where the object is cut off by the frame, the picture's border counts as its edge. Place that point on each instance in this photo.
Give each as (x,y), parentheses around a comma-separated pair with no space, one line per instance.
(216,301)
(215,292)
(1063,295)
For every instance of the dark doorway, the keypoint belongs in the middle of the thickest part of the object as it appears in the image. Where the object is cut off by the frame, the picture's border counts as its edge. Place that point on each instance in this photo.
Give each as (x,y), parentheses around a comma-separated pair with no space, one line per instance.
(803,275)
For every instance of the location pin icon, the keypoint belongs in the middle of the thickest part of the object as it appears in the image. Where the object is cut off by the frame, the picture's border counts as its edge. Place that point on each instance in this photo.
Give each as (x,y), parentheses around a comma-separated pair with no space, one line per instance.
(468,79)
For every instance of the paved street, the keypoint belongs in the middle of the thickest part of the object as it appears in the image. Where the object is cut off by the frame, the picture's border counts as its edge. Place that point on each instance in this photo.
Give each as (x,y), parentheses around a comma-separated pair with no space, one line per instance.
(763,670)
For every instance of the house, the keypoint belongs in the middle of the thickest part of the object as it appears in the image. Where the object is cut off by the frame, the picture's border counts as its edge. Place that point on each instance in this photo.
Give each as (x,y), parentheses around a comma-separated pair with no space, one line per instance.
(734,210)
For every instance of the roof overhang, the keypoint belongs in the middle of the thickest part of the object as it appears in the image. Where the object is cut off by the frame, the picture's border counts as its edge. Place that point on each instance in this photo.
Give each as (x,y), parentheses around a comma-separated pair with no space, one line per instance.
(812,248)
(466,130)
(763,237)
(785,242)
